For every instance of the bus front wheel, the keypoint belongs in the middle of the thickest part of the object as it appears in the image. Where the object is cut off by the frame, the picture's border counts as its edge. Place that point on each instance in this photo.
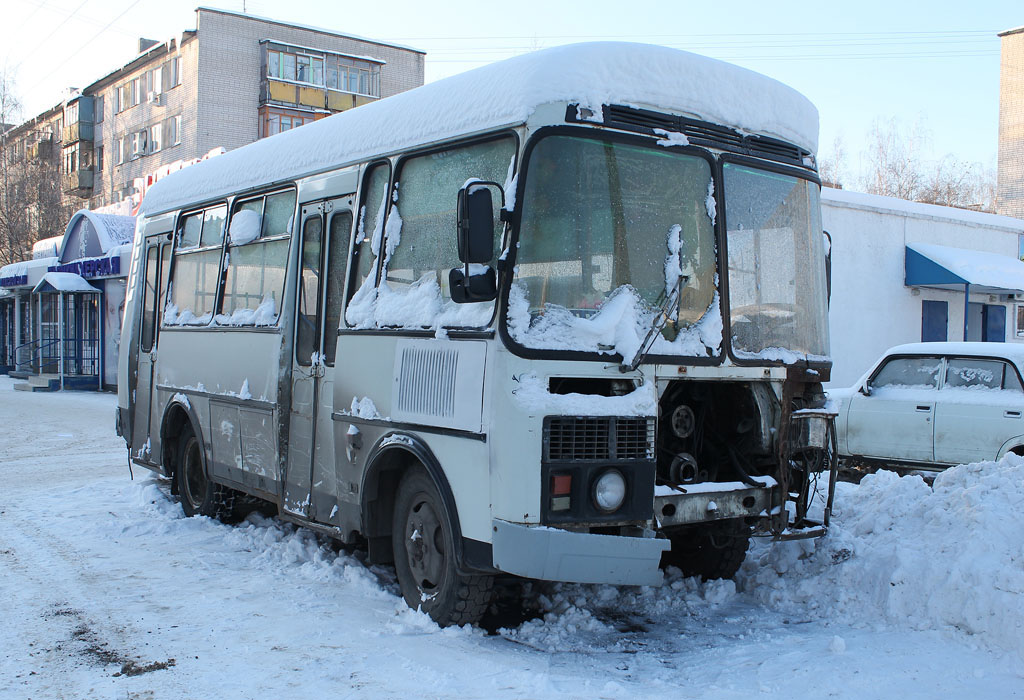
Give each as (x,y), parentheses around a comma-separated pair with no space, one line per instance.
(424,549)
(199,494)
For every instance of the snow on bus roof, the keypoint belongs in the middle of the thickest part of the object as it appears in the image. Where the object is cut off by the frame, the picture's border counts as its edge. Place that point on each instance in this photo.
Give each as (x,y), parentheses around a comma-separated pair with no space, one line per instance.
(505,94)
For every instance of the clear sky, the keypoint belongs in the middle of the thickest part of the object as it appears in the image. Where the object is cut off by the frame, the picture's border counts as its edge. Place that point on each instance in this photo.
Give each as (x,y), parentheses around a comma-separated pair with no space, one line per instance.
(934,63)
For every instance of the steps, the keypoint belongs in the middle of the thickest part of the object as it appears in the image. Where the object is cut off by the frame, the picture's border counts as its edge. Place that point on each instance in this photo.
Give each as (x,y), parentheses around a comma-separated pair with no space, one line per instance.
(39,382)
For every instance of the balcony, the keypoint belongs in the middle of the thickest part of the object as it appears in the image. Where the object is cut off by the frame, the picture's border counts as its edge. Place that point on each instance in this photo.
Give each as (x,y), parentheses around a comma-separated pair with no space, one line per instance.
(40,150)
(79,182)
(79,131)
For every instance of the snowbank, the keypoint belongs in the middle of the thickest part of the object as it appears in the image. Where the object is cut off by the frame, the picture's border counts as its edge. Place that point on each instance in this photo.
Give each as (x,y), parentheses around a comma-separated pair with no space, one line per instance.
(949,556)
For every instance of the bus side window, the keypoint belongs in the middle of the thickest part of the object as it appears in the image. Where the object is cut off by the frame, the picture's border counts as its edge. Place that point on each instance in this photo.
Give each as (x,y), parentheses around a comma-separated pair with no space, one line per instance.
(257,259)
(427,201)
(370,226)
(337,262)
(196,268)
(149,299)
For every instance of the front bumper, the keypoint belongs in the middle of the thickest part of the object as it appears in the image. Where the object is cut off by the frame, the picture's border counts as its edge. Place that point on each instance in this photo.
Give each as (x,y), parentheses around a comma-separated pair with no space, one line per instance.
(551,554)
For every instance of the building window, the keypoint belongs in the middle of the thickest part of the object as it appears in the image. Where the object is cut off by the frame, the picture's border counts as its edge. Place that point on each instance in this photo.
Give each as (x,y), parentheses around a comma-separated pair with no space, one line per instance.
(329,70)
(170,75)
(99,160)
(139,143)
(353,75)
(100,104)
(172,132)
(156,133)
(1020,320)
(274,120)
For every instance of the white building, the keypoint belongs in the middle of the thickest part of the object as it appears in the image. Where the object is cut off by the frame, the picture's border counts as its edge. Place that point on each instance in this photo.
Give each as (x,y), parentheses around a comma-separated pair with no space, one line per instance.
(901,272)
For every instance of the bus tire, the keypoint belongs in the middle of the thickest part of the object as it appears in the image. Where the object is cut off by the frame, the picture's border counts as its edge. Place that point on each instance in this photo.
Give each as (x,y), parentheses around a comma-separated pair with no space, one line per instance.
(424,547)
(199,494)
(712,551)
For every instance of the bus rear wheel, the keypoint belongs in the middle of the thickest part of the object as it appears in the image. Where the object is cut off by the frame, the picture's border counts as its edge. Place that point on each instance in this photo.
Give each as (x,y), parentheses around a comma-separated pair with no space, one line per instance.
(199,494)
(424,547)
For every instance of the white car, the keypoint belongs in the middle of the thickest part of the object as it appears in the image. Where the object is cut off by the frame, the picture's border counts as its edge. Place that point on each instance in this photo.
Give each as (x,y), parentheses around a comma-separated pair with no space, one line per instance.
(932,405)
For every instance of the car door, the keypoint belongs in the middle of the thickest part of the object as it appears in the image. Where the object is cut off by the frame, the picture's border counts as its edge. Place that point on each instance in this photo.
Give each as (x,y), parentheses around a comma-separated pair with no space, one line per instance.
(980,406)
(894,419)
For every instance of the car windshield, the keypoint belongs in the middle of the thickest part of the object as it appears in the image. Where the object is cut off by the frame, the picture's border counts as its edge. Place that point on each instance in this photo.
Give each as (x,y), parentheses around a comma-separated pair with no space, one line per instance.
(777,286)
(610,231)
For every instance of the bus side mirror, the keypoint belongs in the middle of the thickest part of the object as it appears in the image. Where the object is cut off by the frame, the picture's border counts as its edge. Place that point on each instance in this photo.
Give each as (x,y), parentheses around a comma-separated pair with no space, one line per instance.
(476,222)
(828,267)
(481,284)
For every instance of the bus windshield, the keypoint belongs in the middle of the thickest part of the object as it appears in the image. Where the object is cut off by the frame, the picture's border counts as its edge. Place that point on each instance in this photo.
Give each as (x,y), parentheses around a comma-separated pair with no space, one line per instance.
(777,287)
(610,230)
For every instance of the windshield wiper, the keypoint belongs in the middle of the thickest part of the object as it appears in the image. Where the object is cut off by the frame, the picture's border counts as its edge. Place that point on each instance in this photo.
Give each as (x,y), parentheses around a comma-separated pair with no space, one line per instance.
(668,309)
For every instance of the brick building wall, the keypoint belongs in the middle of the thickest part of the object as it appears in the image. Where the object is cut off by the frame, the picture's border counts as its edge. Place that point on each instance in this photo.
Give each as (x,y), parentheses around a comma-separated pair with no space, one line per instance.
(115,179)
(1010,188)
(230,56)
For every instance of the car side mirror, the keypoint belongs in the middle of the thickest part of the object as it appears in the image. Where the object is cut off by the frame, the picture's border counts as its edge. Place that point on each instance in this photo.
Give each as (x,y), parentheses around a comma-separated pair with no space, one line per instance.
(865,389)
(476,221)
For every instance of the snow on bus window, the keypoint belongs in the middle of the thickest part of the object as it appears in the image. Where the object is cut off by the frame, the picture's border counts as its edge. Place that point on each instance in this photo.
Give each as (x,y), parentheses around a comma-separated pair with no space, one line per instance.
(193,288)
(612,232)
(369,232)
(256,260)
(420,240)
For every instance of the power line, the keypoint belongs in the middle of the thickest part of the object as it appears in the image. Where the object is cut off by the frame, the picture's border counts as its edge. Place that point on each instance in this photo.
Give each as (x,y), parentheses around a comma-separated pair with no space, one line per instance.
(30,16)
(96,36)
(49,36)
(938,33)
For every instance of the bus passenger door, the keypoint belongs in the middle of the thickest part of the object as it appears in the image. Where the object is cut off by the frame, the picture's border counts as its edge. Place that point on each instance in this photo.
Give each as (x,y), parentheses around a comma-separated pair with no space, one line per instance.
(310,489)
(154,285)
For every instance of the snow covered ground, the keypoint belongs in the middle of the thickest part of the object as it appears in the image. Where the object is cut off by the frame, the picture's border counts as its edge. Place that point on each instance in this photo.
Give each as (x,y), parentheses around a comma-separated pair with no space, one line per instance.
(108,592)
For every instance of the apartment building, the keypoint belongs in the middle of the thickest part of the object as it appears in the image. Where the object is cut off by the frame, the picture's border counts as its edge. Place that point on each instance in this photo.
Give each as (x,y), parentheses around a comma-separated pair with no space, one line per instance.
(233,79)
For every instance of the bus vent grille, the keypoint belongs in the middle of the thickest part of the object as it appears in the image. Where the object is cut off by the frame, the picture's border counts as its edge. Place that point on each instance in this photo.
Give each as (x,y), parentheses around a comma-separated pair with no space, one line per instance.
(570,439)
(699,133)
(426,382)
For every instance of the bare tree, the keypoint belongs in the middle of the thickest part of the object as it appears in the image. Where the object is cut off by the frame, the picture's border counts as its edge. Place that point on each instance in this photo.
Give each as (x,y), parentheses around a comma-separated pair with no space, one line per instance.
(893,157)
(896,169)
(956,183)
(12,208)
(32,201)
(832,164)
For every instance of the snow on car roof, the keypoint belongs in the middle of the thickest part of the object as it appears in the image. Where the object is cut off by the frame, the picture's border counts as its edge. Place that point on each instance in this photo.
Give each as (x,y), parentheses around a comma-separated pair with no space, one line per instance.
(501,94)
(1007,351)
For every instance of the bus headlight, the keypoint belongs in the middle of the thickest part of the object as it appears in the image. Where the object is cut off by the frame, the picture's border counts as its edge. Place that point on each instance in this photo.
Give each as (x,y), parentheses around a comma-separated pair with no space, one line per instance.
(610,490)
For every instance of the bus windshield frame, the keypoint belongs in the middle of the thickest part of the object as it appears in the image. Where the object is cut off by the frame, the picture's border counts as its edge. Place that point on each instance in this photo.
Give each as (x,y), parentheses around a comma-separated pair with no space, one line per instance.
(540,315)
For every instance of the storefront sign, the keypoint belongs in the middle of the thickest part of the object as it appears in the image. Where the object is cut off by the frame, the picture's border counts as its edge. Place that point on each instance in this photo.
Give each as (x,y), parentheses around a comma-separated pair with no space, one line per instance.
(129,206)
(21,280)
(94,267)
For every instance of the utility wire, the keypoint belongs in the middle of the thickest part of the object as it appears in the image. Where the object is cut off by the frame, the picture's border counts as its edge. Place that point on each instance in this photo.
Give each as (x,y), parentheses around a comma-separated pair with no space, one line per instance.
(39,82)
(30,16)
(49,36)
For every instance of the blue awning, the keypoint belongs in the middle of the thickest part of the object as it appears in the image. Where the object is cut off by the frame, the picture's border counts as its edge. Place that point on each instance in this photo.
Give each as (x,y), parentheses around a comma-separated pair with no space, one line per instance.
(943,267)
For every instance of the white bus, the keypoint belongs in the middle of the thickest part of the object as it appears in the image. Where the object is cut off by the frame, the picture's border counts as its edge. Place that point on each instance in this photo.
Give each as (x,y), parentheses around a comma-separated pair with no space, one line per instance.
(562,317)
